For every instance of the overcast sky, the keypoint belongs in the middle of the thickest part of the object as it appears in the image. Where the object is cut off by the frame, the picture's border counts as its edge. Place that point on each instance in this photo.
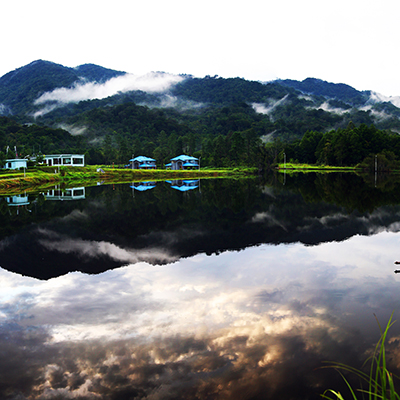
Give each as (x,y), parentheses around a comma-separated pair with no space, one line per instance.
(342,41)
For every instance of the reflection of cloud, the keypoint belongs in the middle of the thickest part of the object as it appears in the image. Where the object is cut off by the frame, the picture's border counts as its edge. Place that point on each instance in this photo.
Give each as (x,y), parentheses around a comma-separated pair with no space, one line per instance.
(372,224)
(272,358)
(5,243)
(268,218)
(98,249)
(169,238)
(248,324)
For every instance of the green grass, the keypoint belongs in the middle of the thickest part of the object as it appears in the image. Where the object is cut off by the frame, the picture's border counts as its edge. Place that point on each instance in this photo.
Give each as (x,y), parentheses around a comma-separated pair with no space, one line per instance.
(379,383)
(37,178)
(291,167)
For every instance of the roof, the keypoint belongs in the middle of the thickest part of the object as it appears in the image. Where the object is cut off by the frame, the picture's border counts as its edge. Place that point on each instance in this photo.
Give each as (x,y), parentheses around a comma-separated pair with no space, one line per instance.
(190,165)
(142,159)
(142,188)
(16,159)
(183,157)
(184,188)
(62,155)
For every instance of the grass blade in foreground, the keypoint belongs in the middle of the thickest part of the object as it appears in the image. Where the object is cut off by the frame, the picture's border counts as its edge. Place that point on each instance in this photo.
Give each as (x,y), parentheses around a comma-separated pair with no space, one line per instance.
(379,381)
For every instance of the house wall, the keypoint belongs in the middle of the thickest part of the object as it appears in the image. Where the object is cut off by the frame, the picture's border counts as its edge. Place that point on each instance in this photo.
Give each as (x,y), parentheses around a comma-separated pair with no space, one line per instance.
(14,164)
(74,160)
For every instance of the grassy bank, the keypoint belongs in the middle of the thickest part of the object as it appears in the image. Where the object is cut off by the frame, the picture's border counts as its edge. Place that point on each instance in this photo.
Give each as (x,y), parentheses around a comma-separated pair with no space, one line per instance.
(44,177)
(290,167)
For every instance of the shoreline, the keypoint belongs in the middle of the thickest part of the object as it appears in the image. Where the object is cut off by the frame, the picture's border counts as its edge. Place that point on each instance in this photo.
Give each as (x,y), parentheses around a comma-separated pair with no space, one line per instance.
(313,168)
(43,177)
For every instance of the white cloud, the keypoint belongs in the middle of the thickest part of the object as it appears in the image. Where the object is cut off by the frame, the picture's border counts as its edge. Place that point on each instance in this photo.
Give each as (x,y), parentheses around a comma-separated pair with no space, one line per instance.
(327,107)
(73,130)
(173,101)
(268,109)
(152,83)
(377,98)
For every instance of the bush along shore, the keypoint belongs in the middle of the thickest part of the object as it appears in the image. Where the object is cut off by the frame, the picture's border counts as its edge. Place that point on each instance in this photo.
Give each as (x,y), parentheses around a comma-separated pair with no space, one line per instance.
(292,167)
(35,178)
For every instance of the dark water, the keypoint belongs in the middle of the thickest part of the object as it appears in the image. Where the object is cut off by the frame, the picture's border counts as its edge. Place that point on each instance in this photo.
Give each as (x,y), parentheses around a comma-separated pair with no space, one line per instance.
(216,289)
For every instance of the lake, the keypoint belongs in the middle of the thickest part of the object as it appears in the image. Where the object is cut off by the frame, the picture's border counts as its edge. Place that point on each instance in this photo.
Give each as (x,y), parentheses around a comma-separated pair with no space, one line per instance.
(211,289)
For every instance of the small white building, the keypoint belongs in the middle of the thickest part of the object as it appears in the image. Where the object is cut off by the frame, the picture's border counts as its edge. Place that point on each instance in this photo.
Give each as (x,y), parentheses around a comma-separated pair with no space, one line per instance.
(15,163)
(72,160)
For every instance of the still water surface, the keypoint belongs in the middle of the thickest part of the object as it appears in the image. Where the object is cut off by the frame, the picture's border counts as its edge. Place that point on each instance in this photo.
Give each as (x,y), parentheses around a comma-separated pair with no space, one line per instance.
(204,290)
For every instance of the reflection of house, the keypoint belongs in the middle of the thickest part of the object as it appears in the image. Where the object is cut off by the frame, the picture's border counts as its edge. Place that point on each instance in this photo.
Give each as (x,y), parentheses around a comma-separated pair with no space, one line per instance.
(17,200)
(142,162)
(183,162)
(142,186)
(67,194)
(184,186)
(74,160)
(15,163)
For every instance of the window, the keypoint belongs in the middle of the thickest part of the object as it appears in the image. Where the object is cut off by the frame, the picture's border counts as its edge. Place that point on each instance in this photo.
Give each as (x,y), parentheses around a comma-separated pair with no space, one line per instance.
(67,161)
(77,161)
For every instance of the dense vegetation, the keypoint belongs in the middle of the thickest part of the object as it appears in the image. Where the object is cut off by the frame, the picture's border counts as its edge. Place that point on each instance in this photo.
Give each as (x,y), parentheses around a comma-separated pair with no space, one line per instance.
(346,147)
(226,122)
(34,139)
(319,87)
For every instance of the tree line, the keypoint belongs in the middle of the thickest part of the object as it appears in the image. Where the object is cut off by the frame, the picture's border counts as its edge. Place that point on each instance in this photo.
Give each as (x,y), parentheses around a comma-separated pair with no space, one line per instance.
(342,147)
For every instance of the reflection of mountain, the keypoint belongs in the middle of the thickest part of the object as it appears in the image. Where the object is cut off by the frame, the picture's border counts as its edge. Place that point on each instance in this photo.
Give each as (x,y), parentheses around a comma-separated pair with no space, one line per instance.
(113,227)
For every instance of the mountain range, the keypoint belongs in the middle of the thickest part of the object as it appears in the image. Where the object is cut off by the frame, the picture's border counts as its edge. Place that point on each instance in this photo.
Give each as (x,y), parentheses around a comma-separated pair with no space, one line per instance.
(93,102)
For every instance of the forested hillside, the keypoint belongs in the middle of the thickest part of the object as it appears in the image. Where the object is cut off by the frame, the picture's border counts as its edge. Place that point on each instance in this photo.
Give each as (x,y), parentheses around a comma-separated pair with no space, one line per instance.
(21,87)
(227,122)
(34,139)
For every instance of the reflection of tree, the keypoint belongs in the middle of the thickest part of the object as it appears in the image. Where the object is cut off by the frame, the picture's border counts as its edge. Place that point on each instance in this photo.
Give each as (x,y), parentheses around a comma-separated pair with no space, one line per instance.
(225,215)
(346,190)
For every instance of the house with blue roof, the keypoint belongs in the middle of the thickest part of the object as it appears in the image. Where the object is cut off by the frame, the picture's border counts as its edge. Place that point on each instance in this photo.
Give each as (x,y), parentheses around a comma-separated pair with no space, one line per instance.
(142,162)
(183,162)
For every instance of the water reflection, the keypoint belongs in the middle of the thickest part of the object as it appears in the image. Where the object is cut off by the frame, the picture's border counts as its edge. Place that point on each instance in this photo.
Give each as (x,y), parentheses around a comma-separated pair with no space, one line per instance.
(241,290)
(184,185)
(143,186)
(76,193)
(247,324)
(17,200)
(108,226)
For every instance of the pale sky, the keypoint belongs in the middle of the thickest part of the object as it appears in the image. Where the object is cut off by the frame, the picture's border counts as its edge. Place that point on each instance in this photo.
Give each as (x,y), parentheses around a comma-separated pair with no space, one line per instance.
(342,41)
